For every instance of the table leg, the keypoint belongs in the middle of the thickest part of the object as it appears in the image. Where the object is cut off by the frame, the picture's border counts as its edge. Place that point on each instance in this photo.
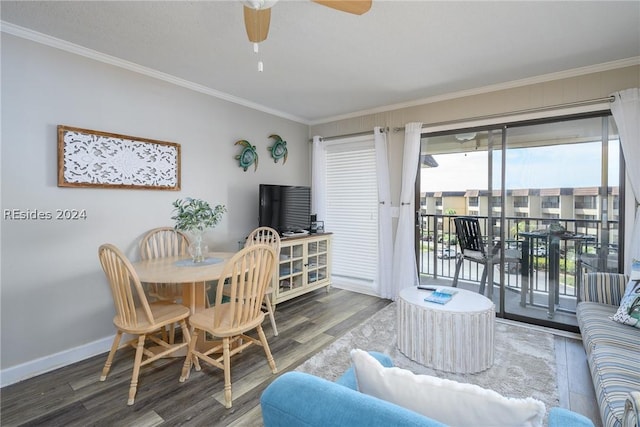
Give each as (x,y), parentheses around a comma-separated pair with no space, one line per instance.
(554,274)
(525,271)
(194,296)
(579,267)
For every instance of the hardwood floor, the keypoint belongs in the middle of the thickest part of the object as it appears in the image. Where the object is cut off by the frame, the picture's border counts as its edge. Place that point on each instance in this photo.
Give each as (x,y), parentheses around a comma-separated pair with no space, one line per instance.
(73,396)
(575,386)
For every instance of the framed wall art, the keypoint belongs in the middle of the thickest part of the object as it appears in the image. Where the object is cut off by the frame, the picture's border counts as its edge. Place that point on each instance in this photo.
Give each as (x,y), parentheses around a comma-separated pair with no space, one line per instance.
(89,158)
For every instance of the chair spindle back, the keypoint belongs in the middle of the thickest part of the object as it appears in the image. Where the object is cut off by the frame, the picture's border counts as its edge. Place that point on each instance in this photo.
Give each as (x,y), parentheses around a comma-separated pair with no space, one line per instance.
(244,281)
(163,242)
(126,289)
(265,235)
(469,234)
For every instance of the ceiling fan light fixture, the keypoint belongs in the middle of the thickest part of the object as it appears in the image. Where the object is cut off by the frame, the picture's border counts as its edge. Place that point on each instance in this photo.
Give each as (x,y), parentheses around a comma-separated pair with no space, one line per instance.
(465,136)
(259,4)
(257,16)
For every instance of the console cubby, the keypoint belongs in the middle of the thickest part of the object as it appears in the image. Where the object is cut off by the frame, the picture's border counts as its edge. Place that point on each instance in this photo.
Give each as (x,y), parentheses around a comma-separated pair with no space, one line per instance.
(304,265)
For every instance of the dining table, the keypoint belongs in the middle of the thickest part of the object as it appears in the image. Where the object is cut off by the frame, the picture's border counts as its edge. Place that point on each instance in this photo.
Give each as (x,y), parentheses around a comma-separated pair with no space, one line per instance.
(181,270)
(192,276)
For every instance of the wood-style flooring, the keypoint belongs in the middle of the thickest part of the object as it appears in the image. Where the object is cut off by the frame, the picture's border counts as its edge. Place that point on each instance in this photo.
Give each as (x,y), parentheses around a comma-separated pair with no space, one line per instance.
(575,387)
(73,395)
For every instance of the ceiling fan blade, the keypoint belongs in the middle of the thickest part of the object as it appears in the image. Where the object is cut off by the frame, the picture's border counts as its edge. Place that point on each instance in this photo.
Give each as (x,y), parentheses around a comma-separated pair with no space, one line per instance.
(357,7)
(257,23)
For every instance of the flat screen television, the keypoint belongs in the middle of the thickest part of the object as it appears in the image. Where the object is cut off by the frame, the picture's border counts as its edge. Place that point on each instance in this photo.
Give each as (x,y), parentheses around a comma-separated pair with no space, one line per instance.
(285,208)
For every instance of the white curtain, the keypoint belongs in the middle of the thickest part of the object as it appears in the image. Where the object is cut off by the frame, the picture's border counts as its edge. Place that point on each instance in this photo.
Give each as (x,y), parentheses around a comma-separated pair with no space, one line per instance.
(319,179)
(626,112)
(405,269)
(385,245)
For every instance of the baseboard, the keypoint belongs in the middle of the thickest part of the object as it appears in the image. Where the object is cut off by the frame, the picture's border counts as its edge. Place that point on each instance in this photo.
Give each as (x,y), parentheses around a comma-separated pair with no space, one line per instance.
(52,362)
(354,287)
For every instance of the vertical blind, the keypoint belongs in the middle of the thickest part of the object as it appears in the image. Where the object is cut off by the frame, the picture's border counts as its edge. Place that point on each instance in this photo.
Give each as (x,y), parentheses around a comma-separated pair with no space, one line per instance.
(352,210)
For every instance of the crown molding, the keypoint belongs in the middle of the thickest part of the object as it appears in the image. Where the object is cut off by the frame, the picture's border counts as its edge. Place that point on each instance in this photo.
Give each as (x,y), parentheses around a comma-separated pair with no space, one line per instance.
(628,62)
(54,42)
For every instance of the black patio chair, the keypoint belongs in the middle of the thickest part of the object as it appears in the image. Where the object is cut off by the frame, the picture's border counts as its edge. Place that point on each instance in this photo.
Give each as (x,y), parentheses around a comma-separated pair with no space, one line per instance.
(474,248)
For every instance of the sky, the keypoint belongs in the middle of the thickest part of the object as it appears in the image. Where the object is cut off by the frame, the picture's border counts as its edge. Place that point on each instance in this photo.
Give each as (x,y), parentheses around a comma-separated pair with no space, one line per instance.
(538,167)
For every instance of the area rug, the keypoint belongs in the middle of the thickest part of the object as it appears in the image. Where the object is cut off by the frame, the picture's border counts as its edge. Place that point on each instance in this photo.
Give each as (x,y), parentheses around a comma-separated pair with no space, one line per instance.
(524,358)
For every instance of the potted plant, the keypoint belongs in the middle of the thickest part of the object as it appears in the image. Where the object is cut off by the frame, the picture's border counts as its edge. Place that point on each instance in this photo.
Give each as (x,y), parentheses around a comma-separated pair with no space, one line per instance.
(194,216)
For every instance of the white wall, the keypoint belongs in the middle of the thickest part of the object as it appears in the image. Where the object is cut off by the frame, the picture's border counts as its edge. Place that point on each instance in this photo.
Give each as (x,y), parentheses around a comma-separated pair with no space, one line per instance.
(55,302)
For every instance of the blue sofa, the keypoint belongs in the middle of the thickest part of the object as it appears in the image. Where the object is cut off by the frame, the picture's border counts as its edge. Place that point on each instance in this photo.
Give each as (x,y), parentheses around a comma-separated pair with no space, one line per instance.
(299,399)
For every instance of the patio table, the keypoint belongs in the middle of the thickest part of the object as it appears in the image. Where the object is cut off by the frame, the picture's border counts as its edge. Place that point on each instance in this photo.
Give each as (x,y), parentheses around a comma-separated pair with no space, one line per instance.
(552,242)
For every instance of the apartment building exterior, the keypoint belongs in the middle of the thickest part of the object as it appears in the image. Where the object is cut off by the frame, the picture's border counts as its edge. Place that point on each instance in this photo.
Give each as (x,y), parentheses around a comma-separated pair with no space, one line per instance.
(580,210)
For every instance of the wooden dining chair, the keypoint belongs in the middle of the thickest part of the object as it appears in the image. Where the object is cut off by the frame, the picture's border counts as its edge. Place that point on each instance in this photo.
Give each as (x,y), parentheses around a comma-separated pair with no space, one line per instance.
(164,242)
(247,275)
(269,236)
(136,316)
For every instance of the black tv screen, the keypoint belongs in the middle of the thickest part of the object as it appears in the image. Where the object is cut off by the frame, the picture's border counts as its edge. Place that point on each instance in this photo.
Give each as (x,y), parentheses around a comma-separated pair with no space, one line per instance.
(285,208)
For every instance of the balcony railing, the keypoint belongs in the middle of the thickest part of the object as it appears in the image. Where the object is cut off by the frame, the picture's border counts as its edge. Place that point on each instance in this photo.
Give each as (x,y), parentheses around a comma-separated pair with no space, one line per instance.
(439,250)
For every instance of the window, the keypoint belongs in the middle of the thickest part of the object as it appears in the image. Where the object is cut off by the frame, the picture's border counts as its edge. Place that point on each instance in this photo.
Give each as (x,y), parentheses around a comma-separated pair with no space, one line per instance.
(551,202)
(586,202)
(352,211)
(520,201)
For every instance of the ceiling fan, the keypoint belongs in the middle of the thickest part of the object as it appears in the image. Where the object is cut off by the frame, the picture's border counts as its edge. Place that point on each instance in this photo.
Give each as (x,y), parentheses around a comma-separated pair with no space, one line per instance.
(257,14)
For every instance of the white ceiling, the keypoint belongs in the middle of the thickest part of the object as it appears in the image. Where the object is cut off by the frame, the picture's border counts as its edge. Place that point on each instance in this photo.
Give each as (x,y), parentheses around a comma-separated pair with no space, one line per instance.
(321,64)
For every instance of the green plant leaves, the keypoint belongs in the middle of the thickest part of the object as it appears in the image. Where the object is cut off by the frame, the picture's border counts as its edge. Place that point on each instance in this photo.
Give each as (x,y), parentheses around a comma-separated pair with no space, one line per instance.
(196,214)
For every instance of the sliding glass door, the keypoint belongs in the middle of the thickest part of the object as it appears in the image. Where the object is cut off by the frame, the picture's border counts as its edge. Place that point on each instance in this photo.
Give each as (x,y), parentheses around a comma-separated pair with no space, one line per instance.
(566,177)
(461,175)
(546,191)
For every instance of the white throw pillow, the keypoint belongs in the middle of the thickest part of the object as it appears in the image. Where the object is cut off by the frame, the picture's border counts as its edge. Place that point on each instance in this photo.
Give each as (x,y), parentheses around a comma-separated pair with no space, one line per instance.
(449,402)
(629,311)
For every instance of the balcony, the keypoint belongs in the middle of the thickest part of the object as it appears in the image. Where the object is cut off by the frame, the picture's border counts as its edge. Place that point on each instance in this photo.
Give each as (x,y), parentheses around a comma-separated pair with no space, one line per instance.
(438,257)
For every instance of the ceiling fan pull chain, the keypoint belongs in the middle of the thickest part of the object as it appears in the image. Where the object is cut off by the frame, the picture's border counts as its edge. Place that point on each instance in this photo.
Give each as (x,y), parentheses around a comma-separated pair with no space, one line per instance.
(260,64)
